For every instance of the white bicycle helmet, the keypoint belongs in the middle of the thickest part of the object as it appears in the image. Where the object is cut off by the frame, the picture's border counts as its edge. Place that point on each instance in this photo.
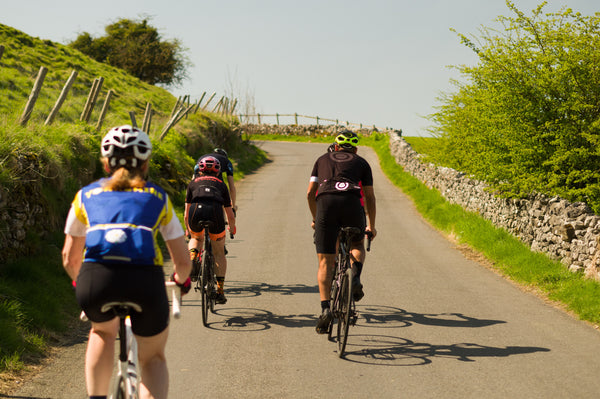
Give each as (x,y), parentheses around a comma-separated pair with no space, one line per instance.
(126,143)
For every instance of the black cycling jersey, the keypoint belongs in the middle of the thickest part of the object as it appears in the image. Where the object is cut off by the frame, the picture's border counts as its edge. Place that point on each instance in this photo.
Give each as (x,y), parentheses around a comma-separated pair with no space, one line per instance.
(208,188)
(341,172)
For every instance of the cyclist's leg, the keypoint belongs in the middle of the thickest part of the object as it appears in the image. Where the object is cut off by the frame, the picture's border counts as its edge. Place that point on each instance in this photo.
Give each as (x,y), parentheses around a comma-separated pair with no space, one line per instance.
(325,275)
(153,365)
(217,236)
(92,283)
(356,218)
(99,356)
(326,227)
(151,332)
(218,248)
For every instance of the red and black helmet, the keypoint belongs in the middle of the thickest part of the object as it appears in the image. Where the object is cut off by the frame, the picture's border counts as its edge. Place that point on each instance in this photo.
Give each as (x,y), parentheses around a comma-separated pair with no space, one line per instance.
(209,164)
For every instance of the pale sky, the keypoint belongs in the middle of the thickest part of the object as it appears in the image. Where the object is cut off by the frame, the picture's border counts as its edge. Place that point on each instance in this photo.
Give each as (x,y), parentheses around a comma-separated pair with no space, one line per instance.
(375,62)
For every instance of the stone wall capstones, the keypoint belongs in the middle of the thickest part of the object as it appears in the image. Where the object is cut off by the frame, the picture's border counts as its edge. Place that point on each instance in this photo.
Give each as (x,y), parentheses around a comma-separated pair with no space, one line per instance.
(569,232)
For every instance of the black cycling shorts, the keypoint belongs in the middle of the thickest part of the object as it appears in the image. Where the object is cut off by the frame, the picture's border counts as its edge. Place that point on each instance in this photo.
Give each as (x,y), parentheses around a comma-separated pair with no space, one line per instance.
(206,211)
(98,284)
(333,212)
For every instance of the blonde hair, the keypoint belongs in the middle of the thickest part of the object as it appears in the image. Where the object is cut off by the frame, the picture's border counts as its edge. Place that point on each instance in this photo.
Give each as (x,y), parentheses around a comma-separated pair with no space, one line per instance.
(122,179)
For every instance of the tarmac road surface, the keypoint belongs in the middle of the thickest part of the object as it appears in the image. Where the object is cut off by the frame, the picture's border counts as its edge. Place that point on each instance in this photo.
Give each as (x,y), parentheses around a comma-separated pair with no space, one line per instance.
(432,324)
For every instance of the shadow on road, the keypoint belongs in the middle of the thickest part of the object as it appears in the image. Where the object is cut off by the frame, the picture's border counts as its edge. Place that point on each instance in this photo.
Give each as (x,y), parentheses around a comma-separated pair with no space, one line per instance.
(248,319)
(242,289)
(392,317)
(384,350)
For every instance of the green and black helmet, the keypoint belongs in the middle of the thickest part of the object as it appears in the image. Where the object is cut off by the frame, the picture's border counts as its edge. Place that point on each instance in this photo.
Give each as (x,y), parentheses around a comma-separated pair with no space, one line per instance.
(347,139)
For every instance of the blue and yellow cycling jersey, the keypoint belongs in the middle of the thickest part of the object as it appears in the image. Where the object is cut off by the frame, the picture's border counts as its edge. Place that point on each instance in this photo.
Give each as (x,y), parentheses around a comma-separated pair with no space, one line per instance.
(122,226)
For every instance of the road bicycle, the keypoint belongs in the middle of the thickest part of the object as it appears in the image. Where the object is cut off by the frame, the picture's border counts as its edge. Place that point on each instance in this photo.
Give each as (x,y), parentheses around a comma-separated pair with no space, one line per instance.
(126,384)
(206,281)
(343,307)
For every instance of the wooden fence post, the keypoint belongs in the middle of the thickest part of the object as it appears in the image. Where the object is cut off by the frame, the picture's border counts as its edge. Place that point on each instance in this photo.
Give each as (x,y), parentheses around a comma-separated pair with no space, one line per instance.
(1,50)
(92,98)
(89,100)
(209,100)
(176,107)
(61,98)
(317,121)
(35,92)
(277,116)
(104,110)
(296,118)
(147,118)
(132,117)
(218,104)
(258,116)
(200,102)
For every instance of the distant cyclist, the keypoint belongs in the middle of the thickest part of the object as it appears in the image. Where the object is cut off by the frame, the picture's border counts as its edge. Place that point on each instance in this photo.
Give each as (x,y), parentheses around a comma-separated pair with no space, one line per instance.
(116,221)
(226,168)
(334,199)
(206,198)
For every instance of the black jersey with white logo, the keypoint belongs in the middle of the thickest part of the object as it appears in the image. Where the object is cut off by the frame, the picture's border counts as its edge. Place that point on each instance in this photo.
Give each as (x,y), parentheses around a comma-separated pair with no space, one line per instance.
(341,172)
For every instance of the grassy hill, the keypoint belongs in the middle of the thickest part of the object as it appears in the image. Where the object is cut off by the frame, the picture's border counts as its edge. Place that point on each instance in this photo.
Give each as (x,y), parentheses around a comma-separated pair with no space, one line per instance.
(41,168)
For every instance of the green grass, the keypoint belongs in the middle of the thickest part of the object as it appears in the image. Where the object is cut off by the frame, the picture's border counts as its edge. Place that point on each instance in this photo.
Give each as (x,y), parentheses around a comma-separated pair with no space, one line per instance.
(36,303)
(44,166)
(506,253)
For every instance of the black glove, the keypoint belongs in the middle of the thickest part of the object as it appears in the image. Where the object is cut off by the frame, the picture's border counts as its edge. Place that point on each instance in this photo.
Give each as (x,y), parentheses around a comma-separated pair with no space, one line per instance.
(185,287)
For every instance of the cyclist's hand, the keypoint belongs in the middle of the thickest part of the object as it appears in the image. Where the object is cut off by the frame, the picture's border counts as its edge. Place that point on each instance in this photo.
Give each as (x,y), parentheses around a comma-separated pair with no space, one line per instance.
(188,234)
(233,231)
(371,232)
(185,287)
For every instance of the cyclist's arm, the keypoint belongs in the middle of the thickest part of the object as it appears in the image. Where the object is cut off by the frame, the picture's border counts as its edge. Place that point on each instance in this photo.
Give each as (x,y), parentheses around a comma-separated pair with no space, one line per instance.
(311,197)
(72,254)
(232,192)
(182,266)
(185,218)
(370,206)
(230,219)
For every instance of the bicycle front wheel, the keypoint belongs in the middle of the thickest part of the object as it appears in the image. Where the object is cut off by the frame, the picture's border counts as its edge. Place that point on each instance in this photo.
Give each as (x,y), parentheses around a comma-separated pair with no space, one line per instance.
(121,389)
(345,306)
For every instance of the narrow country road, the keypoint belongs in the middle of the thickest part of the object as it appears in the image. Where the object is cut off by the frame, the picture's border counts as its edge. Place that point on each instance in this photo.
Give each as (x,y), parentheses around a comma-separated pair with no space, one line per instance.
(433,324)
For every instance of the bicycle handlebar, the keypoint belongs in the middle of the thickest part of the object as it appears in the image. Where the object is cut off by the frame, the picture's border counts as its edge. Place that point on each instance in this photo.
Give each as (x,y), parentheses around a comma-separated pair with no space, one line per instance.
(369,239)
(175,297)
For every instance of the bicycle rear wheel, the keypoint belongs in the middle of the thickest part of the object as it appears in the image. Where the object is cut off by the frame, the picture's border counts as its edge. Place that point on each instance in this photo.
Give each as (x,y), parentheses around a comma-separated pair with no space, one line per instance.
(206,290)
(334,303)
(345,306)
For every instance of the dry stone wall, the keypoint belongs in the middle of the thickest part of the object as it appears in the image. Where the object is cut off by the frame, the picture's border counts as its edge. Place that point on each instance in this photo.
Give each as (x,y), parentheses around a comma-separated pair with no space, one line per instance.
(569,232)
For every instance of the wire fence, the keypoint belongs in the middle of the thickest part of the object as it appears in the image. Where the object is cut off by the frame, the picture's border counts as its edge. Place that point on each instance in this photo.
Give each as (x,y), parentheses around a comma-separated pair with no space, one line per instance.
(293,119)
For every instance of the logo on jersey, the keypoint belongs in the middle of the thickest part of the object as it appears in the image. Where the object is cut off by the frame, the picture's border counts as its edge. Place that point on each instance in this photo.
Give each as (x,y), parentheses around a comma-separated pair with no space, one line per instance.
(116,236)
(342,186)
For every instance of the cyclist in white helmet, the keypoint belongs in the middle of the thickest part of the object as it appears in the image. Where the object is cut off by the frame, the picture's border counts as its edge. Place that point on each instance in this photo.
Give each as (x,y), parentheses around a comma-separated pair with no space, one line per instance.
(111,253)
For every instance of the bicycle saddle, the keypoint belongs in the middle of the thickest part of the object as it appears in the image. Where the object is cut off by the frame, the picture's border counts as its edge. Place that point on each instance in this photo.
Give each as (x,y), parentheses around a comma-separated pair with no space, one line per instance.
(352,231)
(121,307)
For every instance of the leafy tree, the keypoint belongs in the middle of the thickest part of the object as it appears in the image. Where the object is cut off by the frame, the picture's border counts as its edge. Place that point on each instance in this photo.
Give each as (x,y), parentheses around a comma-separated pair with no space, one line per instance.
(137,48)
(528,116)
